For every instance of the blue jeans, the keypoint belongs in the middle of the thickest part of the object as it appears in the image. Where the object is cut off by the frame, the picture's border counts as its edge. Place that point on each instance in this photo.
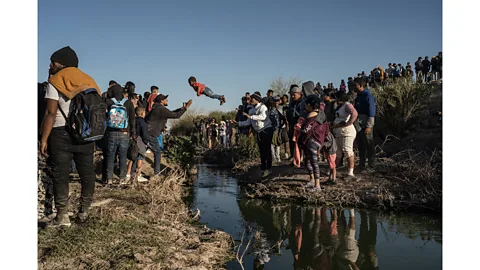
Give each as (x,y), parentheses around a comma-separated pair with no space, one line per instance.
(209,93)
(157,152)
(117,141)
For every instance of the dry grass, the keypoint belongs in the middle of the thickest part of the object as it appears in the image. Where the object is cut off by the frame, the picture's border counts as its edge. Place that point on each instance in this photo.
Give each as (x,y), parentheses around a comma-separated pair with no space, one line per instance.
(148,227)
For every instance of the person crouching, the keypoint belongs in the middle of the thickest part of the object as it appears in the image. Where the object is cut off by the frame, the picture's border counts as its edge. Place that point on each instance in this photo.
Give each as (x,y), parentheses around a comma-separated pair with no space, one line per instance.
(261,123)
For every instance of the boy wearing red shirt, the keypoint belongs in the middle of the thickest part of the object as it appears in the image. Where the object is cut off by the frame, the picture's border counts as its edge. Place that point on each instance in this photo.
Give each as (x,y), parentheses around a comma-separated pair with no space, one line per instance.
(202,89)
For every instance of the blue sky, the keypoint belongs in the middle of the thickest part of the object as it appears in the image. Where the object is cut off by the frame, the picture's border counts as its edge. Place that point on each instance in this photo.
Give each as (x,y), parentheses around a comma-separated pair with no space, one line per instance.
(234,46)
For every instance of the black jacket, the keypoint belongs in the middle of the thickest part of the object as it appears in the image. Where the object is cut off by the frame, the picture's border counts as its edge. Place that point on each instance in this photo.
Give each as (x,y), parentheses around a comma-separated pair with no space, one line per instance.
(116,92)
(142,129)
(157,118)
(330,110)
(425,65)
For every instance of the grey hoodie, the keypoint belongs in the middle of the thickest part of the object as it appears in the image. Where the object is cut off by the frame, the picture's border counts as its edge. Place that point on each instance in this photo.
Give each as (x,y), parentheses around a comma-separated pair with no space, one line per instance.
(308,87)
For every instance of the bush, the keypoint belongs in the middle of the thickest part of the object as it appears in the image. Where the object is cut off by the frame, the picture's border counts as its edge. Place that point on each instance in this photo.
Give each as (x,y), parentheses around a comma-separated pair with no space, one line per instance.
(248,147)
(185,125)
(180,150)
(399,105)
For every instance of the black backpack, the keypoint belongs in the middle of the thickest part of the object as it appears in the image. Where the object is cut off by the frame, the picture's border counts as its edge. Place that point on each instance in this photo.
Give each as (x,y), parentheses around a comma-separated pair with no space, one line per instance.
(87,120)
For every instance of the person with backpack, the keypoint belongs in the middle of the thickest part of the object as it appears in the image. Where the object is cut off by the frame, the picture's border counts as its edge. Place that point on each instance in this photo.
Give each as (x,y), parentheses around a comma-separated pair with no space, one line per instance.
(157,121)
(312,127)
(120,127)
(62,138)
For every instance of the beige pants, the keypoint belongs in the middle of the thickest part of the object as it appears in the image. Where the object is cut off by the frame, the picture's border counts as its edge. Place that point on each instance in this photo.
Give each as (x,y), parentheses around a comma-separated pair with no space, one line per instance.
(345,146)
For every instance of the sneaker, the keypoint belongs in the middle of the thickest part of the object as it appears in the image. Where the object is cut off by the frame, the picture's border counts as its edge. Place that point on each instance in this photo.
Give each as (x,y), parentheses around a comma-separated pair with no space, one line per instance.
(316,189)
(350,178)
(142,179)
(310,183)
(124,182)
(266,173)
(223,100)
(61,220)
(82,215)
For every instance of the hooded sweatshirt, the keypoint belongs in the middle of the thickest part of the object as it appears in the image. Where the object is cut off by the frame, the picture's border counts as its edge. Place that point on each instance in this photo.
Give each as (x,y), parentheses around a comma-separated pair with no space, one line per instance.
(116,91)
(259,119)
(314,127)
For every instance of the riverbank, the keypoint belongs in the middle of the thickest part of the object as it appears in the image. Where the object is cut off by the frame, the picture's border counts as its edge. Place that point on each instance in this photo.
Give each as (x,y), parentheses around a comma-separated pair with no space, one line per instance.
(148,227)
(407,177)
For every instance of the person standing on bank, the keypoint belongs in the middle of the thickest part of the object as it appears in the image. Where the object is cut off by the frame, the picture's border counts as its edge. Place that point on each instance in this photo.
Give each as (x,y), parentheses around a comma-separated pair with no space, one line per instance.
(66,82)
(365,106)
(295,109)
(120,127)
(261,123)
(157,121)
(344,131)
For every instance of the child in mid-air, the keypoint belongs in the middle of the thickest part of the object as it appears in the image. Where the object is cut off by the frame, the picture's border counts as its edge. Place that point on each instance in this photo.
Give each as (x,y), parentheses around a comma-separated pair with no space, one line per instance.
(202,89)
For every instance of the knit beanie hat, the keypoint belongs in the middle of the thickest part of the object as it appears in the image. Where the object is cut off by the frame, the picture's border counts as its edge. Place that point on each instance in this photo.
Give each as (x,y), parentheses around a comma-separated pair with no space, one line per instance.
(65,56)
(257,97)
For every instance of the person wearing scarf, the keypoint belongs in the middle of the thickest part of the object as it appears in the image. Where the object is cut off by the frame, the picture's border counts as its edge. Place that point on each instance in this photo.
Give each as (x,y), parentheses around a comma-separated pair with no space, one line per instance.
(65,82)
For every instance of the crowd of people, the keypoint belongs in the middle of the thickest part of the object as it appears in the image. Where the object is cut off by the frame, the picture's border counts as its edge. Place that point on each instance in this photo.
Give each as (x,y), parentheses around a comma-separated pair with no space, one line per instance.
(75,119)
(311,124)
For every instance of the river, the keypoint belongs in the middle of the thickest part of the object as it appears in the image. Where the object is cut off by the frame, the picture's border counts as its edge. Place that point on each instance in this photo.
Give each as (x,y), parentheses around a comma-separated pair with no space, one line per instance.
(293,236)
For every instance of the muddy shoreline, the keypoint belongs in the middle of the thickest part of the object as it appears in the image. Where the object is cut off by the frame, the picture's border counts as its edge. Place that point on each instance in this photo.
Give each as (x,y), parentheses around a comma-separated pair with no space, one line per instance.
(401,184)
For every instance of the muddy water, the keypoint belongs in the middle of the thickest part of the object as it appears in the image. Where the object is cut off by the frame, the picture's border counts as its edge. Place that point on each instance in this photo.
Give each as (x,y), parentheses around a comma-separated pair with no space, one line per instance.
(291,236)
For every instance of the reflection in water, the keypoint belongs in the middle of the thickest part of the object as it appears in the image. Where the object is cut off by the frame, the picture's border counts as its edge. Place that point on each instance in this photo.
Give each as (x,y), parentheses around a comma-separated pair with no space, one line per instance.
(291,236)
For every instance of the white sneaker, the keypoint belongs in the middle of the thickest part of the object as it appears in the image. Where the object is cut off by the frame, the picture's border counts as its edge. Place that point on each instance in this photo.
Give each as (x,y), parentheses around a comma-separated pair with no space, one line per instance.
(127,178)
(142,179)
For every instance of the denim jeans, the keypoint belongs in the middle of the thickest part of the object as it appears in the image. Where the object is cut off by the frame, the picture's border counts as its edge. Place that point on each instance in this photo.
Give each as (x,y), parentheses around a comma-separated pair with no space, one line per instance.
(62,150)
(223,140)
(117,141)
(209,93)
(157,153)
